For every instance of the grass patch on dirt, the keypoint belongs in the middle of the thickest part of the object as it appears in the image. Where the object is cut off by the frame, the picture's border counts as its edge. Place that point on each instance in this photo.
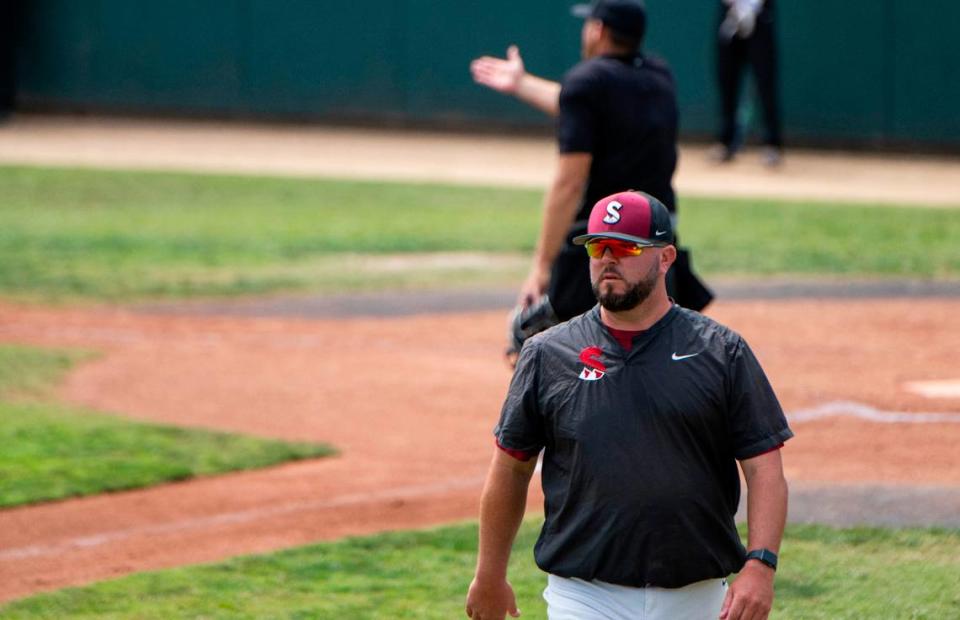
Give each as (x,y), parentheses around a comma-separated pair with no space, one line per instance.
(68,235)
(31,373)
(825,573)
(51,452)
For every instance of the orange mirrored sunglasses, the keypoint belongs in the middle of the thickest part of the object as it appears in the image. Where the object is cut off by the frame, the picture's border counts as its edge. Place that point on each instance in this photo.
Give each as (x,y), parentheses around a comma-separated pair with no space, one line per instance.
(619,249)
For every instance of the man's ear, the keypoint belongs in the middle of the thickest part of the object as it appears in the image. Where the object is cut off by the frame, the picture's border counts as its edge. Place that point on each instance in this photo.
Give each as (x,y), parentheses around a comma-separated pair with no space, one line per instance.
(596,30)
(667,258)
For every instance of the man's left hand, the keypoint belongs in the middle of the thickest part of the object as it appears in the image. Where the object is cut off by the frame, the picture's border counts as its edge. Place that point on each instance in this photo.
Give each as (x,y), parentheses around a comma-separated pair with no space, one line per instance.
(501,74)
(750,596)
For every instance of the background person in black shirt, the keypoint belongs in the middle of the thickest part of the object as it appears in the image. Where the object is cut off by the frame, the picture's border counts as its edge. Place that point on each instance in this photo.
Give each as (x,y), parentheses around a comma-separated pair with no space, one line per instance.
(643,410)
(616,129)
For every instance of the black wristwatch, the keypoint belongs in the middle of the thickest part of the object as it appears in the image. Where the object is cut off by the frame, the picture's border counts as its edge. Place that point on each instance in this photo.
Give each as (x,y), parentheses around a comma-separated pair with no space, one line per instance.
(764,555)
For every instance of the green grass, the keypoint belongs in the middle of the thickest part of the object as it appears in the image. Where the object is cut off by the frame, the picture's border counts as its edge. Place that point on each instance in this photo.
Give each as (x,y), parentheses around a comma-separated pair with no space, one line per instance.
(122,235)
(53,452)
(781,237)
(28,372)
(825,573)
(108,235)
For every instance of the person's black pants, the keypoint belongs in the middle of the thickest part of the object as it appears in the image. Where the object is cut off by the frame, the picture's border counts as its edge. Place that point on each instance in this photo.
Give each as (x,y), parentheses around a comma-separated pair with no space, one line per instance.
(570,290)
(759,52)
(10,18)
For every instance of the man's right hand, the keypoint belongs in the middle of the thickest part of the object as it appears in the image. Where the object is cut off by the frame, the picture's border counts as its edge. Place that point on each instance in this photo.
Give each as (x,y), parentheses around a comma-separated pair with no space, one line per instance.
(491,601)
(534,287)
(502,75)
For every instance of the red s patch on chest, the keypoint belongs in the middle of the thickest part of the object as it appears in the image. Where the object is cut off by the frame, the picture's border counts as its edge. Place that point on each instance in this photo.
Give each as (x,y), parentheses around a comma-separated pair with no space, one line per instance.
(593,369)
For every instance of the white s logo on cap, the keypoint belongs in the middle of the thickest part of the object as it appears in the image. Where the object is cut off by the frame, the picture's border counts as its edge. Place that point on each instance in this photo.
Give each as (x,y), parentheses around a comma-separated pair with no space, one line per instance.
(613,212)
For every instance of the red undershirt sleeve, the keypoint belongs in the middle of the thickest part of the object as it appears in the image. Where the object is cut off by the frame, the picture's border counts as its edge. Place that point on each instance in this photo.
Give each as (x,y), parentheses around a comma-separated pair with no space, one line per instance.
(520,455)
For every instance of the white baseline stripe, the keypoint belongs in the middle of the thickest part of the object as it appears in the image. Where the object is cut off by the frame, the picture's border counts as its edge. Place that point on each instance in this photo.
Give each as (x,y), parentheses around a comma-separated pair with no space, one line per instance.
(242,516)
(846,408)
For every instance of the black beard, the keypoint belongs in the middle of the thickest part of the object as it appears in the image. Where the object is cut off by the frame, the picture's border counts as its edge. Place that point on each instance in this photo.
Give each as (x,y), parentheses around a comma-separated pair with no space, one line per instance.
(635,294)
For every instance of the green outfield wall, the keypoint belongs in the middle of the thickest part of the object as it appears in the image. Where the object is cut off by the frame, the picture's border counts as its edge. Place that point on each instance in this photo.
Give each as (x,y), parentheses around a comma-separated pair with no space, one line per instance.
(853,71)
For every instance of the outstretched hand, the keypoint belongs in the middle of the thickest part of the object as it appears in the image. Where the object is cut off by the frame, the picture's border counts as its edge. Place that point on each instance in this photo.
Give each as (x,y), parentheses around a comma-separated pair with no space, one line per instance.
(502,75)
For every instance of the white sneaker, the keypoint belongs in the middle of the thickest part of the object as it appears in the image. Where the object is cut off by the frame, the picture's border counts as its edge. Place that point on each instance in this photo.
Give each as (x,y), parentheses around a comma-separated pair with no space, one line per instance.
(720,154)
(771,156)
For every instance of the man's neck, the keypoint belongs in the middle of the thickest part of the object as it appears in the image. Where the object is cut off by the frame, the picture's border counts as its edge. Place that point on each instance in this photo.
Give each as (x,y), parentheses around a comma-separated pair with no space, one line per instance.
(641,317)
(606,47)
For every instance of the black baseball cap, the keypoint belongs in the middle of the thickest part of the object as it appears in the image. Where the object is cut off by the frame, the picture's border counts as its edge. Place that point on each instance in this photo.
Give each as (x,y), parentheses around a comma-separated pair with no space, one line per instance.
(631,216)
(628,17)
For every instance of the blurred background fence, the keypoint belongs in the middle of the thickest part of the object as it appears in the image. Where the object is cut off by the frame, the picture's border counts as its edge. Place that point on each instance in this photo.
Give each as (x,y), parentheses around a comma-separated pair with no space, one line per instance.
(856,72)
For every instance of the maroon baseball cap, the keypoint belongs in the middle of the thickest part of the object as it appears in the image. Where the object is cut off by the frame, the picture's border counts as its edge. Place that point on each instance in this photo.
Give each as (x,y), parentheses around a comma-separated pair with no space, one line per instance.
(629,216)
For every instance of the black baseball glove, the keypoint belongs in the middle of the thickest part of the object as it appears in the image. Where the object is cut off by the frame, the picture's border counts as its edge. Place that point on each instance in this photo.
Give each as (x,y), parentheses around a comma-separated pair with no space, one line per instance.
(527,321)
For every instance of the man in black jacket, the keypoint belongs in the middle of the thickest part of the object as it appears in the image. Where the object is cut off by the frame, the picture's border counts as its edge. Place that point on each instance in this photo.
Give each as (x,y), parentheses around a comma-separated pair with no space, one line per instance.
(643,410)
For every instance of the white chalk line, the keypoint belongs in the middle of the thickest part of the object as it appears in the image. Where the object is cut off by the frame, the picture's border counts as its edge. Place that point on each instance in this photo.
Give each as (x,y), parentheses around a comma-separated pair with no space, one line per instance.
(242,516)
(851,409)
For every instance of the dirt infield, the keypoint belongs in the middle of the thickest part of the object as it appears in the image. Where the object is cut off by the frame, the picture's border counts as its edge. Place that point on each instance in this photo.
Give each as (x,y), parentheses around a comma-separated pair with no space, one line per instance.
(410,400)
(411,408)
